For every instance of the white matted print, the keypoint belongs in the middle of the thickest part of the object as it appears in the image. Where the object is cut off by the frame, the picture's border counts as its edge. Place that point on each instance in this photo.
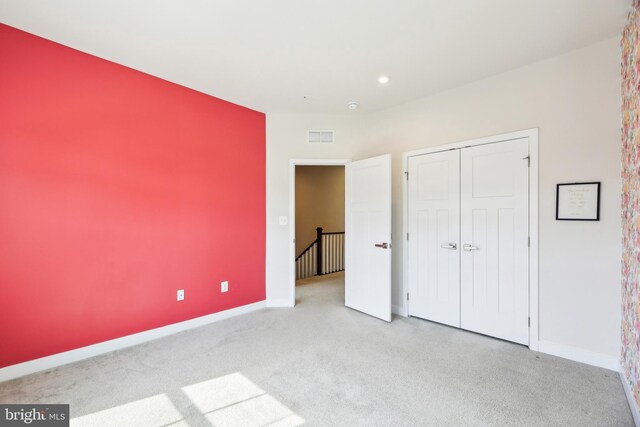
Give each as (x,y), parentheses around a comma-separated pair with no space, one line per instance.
(578,201)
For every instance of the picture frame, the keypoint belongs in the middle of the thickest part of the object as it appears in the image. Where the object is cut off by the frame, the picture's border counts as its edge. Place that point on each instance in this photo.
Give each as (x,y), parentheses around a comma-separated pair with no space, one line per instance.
(578,201)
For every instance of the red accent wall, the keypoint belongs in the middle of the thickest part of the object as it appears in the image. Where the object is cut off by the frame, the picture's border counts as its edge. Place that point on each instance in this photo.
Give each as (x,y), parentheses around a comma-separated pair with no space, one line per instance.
(117,189)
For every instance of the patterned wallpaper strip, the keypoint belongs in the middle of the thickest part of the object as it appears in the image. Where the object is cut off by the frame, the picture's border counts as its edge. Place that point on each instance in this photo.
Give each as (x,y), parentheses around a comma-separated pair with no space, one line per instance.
(630,351)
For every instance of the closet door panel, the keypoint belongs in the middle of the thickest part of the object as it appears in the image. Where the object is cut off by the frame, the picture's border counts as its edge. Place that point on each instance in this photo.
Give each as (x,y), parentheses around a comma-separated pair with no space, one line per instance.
(494,284)
(434,223)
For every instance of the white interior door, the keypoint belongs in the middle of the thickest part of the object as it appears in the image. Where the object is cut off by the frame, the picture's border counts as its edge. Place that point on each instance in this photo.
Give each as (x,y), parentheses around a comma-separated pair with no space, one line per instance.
(434,237)
(368,236)
(494,237)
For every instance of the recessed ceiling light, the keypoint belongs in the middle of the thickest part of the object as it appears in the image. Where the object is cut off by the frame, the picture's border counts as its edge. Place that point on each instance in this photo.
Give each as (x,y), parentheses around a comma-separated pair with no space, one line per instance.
(383,80)
(352,105)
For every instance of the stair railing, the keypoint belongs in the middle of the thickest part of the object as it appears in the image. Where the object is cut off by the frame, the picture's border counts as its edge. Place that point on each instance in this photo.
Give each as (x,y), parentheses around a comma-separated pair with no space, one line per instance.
(324,255)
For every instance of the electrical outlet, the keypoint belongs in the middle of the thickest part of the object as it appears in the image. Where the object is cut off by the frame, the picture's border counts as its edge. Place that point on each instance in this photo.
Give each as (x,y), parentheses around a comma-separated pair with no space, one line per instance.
(283,220)
(180,294)
(224,286)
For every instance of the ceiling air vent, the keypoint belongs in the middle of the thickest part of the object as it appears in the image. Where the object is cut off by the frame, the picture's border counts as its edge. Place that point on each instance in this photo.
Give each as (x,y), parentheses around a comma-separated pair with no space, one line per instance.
(320,136)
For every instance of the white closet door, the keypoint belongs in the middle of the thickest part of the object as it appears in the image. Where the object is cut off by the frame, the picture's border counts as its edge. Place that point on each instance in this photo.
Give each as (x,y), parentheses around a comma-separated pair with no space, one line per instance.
(434,244)
(494,238)
(368,236)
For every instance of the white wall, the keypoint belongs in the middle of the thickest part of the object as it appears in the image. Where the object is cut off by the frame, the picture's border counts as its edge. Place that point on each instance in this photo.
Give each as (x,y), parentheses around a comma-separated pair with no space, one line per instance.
(287,139)
(574,100)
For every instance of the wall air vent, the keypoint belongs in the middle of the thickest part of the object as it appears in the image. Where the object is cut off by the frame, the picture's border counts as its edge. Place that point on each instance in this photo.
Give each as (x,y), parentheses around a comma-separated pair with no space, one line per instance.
(320,136)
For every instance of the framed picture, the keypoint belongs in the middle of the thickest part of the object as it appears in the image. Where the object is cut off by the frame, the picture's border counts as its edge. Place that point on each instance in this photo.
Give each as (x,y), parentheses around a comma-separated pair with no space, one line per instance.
(579,201)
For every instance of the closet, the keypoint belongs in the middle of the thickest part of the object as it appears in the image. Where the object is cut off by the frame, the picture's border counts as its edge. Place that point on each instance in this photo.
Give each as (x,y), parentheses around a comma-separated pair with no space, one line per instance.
(468,238)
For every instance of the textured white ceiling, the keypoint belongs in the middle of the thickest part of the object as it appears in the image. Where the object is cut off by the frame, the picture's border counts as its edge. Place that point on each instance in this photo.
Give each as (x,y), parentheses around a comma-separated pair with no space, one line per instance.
(269,54)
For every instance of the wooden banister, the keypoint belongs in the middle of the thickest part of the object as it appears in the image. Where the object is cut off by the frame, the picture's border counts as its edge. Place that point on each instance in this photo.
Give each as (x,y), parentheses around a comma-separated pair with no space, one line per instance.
(323,256)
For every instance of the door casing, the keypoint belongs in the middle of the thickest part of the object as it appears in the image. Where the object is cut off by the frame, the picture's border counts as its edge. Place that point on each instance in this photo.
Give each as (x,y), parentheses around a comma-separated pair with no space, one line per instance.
(532,135)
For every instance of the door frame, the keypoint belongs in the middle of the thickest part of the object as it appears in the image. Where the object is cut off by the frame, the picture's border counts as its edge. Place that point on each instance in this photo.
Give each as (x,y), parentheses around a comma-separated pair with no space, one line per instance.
(292,214)
(532,135)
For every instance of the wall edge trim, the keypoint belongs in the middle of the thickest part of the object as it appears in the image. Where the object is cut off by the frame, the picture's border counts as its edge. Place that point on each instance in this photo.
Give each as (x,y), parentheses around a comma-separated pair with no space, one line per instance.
(635,411)
(59,359)
(578,354)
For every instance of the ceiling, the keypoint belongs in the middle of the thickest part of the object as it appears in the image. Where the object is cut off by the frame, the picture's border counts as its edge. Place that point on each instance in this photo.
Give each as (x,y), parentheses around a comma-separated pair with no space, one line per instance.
(315,56)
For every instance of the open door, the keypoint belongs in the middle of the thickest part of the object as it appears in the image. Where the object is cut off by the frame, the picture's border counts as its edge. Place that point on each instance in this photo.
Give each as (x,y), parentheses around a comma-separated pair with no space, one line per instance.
(368,236)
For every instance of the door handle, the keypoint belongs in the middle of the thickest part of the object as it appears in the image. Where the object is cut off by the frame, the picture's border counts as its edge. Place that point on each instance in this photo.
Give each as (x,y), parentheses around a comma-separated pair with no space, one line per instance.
(451,246)
(382,245)
(468,247)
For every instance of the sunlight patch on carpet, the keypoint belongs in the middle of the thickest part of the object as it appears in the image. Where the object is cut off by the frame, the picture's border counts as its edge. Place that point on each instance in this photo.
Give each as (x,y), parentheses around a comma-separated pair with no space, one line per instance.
(228,401)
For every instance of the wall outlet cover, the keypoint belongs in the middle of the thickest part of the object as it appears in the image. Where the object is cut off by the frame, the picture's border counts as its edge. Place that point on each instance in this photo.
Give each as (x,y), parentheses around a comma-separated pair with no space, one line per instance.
(224,286)
(283,220)
(180,295)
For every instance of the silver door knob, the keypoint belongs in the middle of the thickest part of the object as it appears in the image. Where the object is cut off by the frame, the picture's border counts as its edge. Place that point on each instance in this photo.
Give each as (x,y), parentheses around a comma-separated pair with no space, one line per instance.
(451,246)
(382,245)
(468,247)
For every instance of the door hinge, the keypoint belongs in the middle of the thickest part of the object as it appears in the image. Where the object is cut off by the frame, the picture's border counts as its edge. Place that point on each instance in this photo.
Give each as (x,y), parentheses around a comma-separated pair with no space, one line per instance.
(528,159)
(407,175)
(407,235)
(407,296)
(529,321)
(529,242)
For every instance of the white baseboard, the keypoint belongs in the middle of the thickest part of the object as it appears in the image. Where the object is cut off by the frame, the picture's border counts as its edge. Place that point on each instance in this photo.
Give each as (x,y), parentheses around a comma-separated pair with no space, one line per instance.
(399,310)
(279,303)
(55,360)
(579,355)
(632,402)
